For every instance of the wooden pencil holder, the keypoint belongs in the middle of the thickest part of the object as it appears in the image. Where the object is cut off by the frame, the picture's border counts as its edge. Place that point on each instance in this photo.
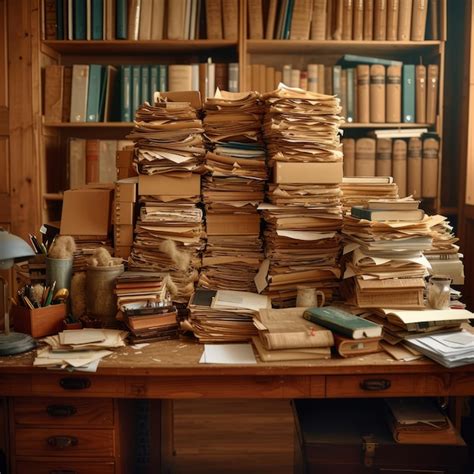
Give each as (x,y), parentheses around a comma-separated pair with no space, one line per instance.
(38,322)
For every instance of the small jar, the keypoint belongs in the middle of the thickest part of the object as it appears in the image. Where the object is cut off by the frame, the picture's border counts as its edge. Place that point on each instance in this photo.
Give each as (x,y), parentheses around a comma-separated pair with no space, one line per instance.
(439,291)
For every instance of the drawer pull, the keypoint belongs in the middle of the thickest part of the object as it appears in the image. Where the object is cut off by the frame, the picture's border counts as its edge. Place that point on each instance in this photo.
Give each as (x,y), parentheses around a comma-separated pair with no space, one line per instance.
(373,385)
(61,411)
(62,442)
(62,471)
(74,383)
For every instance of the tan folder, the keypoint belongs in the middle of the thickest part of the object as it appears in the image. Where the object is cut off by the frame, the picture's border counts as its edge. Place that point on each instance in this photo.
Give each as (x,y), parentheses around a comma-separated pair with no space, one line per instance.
(420,93)
(383,157)
(377,93)
(363,96)
(414,168)
(380,20)
(432,93)
(392,19)
(399,166)
(365,157)
(348,149)
(430,167)
(394,94)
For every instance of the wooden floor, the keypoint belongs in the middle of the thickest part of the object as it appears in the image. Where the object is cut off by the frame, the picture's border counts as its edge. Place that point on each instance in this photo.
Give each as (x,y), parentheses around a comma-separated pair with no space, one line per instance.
(232,436)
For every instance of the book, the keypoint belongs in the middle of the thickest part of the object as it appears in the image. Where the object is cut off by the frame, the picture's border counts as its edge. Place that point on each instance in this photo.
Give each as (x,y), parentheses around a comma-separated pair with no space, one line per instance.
(380,20)
(404,20)
(79,92)
(368,20)
(356,59)
(126,93)
(363,93)
(67,85)
(418,22)
(347,15)
(151,321)
(400,133)
(146,20)
(392,19)
(351,95)
(338,17)
(377,93)
(133,27)
(408,93)
(343,92)
(290,354)
(92,161)
(255,19)
(432,93)
(157,24)
(80,19)
(301,19)
(110,92)
(393,204)
(361,180)
(414,167)
(365,157)
(383,157)
(420,93)
(50,21)
(318,21)
(288,18)
(393,113)
(343,322)
(358,20)
(348,147)
(110,13)
(349,347)
(121,19)
(53,93)
(433,12)
(135,88)
(175,24)
(381,215)
(94,89)
(214,19)
(330,11)
(430,165)
(230,15)
(97,27)
(77,163)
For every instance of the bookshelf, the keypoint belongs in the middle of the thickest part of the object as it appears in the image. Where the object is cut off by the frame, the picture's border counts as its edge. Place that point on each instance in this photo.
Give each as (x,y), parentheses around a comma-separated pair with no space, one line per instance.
(54,136)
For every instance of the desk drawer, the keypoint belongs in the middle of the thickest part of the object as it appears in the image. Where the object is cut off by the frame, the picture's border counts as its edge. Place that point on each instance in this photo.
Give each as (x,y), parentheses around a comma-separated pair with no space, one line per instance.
(76,385)
(64,411)
(65,467)
(392,385)
(64,442)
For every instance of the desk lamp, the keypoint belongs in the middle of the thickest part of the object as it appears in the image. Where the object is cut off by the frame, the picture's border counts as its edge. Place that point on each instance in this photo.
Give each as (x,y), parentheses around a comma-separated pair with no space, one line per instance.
(12,249)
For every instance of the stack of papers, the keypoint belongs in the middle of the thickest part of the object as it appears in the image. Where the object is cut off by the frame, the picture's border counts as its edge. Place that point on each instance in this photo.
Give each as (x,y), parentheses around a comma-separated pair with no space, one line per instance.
(85,248)
(168,137)
(224,316)
(79,349)
(232,190)
(302,243)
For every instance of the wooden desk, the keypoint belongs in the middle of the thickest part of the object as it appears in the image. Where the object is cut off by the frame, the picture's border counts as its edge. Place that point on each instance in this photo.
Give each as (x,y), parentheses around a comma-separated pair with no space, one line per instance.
(171,370)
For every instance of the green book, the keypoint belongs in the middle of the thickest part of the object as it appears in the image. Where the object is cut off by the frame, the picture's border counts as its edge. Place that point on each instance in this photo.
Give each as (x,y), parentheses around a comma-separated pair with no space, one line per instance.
(60,6)
(356,59)
(288,17)
(125,96)
(163,79)
(97,19)
(350,115)
(343,322)
(80,21)
(103,92)
(154,81)
(121,20)
(381,215)
(408,92)
(94,92)
(145,86)
(136,76)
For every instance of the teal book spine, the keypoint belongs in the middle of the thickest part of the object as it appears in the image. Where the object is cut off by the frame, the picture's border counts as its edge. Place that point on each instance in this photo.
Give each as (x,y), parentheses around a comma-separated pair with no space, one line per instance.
(350,115)
(336,80)
(356,59)
(145,85)
(136,70)
(288,17)
(408,93)
(80,19)
(154,81)
(126,94)
(94,89)
(97,19)
(60,5)
(361,213)
(121,20)
(103,89)
(163,77)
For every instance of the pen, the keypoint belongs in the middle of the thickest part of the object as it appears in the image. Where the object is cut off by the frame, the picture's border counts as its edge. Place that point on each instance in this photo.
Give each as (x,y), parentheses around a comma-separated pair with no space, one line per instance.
(50,294)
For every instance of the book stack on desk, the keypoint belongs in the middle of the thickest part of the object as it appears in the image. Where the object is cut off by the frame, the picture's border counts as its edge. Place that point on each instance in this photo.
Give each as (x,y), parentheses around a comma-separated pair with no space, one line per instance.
(169,151)
(283,334)
(232,190)
(302,221)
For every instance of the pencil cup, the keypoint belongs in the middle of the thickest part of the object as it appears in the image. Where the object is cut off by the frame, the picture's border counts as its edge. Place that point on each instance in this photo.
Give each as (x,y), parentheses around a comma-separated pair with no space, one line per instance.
(309,297)
(60,271)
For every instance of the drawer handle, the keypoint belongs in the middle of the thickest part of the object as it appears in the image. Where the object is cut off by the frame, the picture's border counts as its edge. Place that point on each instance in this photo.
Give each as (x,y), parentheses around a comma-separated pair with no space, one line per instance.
(62,442)
(61,411)
(74,383)
(373,385)
(61,471)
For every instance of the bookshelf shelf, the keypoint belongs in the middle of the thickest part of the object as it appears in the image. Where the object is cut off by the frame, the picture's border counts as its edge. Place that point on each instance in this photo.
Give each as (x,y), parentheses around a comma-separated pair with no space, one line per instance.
(386,125)
(88,124)
(121,47)
(367,48)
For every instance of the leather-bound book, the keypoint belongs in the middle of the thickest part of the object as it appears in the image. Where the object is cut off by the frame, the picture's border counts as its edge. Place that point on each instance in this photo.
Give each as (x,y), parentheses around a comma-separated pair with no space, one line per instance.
(368,20)
(380,20)
(347,14)
(430,167)
(339,14)
(343,93)
(330,18)
(420,93)
(230,22)
(301,19)
(348,149)
(363,96)
(432,85)
(365,157)
(383,157)
(255,17)
(414,168)
(393,112)
(418,21)
(377,93)
(318,21)
(358,20)
(392,19)
(404,20)
(399,166)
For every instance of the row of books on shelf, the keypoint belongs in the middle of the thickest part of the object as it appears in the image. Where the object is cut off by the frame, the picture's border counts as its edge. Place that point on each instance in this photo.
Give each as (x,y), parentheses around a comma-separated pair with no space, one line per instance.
(413,162)
(140,19)
(369,93)
(379,20)
(98,93)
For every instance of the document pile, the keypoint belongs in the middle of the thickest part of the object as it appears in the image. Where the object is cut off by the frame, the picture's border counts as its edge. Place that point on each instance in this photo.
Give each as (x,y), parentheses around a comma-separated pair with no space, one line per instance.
(232,190)
(357,191)
(283,334)
(169,233)
(167,136)
(85,248)
(384,261)
(224,315)
(303,215)
(80,349)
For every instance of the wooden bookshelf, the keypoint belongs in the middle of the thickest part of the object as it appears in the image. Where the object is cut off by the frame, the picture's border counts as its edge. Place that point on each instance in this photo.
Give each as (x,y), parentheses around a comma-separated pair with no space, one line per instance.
(126,125)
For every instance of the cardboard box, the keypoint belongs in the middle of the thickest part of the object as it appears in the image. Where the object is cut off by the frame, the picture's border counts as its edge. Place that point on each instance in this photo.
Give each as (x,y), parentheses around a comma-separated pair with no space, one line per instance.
(187,185)
(126,190)
(124,158)
(123,213)
(122,251)
(123,235)
(307,173)
(86,212)
(38,322)
(232,224)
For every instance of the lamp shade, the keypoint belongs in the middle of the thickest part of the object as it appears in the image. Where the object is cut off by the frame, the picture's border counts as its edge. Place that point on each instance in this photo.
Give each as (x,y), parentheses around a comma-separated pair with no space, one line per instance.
(12,248)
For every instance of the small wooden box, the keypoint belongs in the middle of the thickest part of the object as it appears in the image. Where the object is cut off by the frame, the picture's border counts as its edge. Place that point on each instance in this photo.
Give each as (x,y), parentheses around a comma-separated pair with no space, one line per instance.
(38,322)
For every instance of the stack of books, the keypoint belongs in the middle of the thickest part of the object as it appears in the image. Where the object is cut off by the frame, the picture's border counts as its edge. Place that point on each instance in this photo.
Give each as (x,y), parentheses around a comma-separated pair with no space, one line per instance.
(302,243)
(224,315)
(232,190)
(353,335)
(283,334)
(169,232)
(384,254)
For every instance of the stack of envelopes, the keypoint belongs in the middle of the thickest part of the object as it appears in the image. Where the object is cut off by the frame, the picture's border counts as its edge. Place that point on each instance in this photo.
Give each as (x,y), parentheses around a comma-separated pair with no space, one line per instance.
(303,216)
(385,264)
(169,233)
(232,189)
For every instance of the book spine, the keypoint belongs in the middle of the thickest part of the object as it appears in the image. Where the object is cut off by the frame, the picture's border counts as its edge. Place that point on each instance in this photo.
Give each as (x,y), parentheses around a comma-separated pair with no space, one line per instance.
(95,77)
(234,77)
(80,19)
(348,147)
(97,19)
(343,93)
(110,19)
(79,92)
(380,20)
(383,159)
(414,168)
(358,23)
(53,93)
(145,84)
(430,162)
(327,80)
(214,19)
(313,77)
(126,83)
(107,152)
(67,85)
(301,19)
(392,19)
(289,17)
(394,94)
(347,18)
(432,93)
(368,20)
(230,14)
(92,161)
(175,27)
(434,15)
(365,157)
(255,19)
(157,22)
(222,76)
(321,79)
(146,20)
(408,93)
(336,80)
(135,88)
(418,25)
(363,96)
(318,21)
(77,162)
(330,18)
(269,79)
(286,74)
(154,81)
(399,166)
(404,20)
(420,94)
(50,19)
(60,7)
(338,16)
(163,77)
(121,19)
(377,93)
